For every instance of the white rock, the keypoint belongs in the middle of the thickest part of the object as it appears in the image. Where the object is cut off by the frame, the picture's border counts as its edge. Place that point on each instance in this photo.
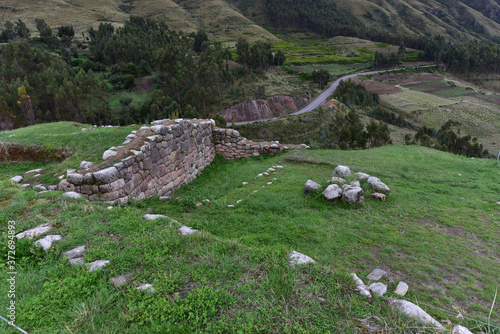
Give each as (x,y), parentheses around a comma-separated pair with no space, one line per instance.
(269,183)
(108,154)
(380,187)
(244,183)
(187,230)
(164,198)
(415,312)
(265,174)
(352,194)
(457,329)
(239,201)
(35,232)
(311,186)
(96,265)
(332,192)
(230,206)
(360,286)
(337,180)
(109,208)
(278,167)
(72,194)
(355,184)
(271,170)
(298,258)
(120,280)
(342,171)
(61,177)
(376,274)
(147,288)
(33,171)
(372,179)
(53,187)
(77,260)
(47,241)
(26,185)
(107,175)
(74,253)
(378,288)
(39,187)
(459,174)
(401,289)
(85,164)
(274,178)
(37,175)
(143,128)
(260,175)
(17,179)
(70,171)
(153,217)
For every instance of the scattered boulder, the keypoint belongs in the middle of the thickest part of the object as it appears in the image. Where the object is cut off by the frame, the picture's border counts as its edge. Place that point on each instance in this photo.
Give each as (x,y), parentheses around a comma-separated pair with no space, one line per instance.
(379,196)
(96,265)
(85,164)
(153,217)
(372,179)
(72,194)
(298,258)
(332,192)
(108,154)
(362,176)
(75,178)
(378,288)
(64,185)
(187,230)
(120,280)
(337,180)
(77,260)
(47,241)
(311,186)
(355,184)
(376,274)
(457,329)
(352,194)
(380,187)
(35,232)
(415,312)
(360,286)
(51,188)
(342,171)
(17,179)
(401,289)
(148,288)
(39,187)
(74,253)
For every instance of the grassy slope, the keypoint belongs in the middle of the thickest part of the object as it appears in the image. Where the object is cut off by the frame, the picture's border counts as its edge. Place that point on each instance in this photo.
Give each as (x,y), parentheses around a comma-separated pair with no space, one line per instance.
(443,245)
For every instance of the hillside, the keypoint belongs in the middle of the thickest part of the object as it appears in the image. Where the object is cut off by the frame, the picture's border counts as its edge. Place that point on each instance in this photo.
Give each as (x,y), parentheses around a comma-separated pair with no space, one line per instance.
(230,19)
(438,232)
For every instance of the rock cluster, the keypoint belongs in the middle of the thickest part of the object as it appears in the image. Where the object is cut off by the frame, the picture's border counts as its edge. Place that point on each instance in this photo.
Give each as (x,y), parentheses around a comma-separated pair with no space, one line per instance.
(231,145)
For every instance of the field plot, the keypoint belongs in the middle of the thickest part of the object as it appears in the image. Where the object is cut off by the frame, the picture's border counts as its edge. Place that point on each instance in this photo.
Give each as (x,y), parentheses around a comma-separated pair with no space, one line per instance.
(410,101)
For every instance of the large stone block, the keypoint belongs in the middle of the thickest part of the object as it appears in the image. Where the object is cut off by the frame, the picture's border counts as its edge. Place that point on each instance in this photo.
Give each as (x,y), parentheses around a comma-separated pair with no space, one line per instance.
(107,175)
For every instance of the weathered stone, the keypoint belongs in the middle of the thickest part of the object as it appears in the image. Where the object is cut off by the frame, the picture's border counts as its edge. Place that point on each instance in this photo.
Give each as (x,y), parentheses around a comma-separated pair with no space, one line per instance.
(401,289)
(376,274)
(153,217)
(380,187)
(35,232)
(458,329)
(342,171)
(25,185)
(47,241)
(352,194)
(96,265)
(332,192)
(75,178)
(77,260)
(311,186)
(75,252)
(52,187)
(85,164)
(64,185)
(72,194)
(39,187)
(107,175)
(70,171)
(164,198)
(298,258)
(38,170)
(337,180)
(373,179)
(187,230)
(17,179)
(362,176)
(415,312)
(379,196)
(378,288)
(120,280)
(108,154)
(148,288)
(355,184)
(360,286)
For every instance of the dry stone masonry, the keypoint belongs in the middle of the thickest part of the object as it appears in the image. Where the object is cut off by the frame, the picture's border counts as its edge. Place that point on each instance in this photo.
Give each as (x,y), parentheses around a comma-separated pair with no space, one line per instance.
(158,159)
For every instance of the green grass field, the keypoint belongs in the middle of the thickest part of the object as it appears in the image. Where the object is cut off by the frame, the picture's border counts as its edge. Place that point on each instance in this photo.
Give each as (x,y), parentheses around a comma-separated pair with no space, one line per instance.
(438,231)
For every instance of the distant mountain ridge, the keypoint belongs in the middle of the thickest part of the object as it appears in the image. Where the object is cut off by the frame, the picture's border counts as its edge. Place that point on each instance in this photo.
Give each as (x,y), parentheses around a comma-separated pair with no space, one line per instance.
(230,19)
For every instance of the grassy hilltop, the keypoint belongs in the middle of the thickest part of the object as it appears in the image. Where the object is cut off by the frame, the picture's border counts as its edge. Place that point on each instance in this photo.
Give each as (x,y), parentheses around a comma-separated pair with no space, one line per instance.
(438,231)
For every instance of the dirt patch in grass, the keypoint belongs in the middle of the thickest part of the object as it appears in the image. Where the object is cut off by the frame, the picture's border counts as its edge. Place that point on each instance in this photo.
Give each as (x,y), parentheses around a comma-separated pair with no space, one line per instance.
(10,152)
(403,78)
(380,88)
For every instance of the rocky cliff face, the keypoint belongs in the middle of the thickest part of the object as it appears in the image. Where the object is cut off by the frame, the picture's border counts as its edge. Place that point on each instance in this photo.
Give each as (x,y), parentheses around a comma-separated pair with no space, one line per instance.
(273,106)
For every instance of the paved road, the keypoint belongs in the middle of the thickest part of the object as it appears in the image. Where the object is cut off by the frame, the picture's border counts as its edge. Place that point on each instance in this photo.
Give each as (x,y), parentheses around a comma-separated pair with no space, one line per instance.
(322,97)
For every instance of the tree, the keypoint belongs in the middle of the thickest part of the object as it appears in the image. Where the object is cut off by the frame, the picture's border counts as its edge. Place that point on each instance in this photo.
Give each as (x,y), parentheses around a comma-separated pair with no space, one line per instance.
(22,30)
(26,105)
(279,58)
(321,77)
(402,49)
(243,51)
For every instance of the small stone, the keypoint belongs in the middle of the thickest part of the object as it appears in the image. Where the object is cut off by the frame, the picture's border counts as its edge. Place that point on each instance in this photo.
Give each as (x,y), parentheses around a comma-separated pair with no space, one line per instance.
(51,188)
(311,186)
(47,241)
(61,177)
(72,194)
(75,253)
(379,196)
(271,170)
(199,204)
(321,299)
(70,171)
(463,197)
(376,274)
(415,312)
(39,187)
(459,174)
(148,288)
(457,329)
(186,230)
(85,164)
(260,175)
(342,171)
(26,185)
(153,217)
(230,206)
(17,179)
(164,198)
(108,154)
(401,289)
(380,187)
(269,183)
(298,258)
(265,174)
(373,179)
(244,183)
(355,184)
(360,286)
(332,192)
(498,203)
(279,167)
(239,201)
(120,280)
(378,288)
(337,180)
(253,192)
(109,208)
(77,260)
(35,232)
(274,178)
(96,265)
(37,175)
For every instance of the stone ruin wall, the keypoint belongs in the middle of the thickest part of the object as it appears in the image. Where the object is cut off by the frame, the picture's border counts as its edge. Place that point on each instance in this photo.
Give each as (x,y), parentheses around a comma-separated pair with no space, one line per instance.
(171,154)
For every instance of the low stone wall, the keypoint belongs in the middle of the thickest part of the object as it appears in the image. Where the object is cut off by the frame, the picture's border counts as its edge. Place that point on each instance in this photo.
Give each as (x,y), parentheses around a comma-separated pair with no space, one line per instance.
(158,159)
(231,145)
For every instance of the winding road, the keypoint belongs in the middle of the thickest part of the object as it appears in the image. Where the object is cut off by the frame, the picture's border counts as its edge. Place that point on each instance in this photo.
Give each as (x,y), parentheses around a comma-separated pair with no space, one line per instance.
(322,97)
